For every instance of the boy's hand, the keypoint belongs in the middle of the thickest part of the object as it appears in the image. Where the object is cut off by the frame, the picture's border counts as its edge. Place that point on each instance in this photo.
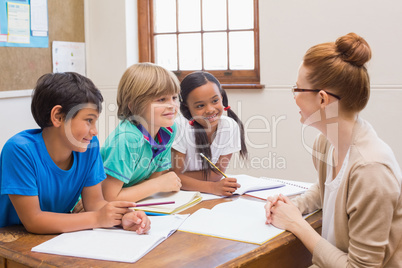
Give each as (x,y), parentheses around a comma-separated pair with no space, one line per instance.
(136,221)
(111,214)
(225,187)
(168,182)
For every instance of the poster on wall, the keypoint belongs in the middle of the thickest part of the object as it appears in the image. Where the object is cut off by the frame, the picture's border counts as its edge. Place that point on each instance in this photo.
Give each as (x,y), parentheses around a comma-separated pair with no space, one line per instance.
(68,57)
(24,23)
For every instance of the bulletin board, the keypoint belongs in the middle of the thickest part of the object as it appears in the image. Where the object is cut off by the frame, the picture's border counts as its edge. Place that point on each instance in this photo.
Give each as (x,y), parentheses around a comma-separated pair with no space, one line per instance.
(25,29)
(20,67)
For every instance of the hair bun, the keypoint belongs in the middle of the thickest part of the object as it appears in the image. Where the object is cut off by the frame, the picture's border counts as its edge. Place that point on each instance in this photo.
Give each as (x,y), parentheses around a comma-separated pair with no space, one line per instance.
(353,49)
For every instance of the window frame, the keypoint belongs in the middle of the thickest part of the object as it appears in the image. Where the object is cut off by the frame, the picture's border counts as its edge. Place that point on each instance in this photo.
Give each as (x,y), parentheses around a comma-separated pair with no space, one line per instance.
(229,78)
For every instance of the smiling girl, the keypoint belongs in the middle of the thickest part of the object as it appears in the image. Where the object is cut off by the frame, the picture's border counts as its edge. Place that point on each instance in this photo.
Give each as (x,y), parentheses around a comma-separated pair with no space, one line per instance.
(204,129)
(137,154)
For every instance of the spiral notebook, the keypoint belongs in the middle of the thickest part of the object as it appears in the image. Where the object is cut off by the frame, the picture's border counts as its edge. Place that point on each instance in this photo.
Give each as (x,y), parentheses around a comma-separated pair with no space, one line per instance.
(250,184)
(291,188)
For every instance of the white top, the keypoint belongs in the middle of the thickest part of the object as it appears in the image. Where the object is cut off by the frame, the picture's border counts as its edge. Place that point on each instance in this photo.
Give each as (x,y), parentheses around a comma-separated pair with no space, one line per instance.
(226,141)
(331,190)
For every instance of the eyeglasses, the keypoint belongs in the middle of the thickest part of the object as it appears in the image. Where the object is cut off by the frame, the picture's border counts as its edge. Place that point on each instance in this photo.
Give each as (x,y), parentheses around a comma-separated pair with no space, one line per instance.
(295,89)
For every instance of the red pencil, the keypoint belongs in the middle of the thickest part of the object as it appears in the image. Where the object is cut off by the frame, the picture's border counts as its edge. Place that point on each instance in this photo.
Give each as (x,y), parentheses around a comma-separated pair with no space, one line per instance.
(256,197)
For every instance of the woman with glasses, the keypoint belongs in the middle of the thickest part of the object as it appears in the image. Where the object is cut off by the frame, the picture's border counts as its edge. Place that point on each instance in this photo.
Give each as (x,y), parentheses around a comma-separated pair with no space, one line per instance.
(359,187)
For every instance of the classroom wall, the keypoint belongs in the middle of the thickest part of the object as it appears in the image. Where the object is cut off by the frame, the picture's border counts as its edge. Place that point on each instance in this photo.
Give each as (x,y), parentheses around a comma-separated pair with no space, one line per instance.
(278,144)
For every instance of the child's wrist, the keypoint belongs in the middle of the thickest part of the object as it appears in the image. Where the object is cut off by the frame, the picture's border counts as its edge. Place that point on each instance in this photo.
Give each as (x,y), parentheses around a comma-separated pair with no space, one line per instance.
(94,218)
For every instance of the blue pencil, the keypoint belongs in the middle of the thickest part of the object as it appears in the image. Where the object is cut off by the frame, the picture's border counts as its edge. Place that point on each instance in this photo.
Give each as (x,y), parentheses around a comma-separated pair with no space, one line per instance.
(155,214)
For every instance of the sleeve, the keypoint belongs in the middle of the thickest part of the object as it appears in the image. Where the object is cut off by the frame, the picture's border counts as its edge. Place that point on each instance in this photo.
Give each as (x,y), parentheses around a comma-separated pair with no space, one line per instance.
(121,155)
(165,162)
(18,174)
(231,141)
(373,197)
(310,200)
(182,137)
(96,173)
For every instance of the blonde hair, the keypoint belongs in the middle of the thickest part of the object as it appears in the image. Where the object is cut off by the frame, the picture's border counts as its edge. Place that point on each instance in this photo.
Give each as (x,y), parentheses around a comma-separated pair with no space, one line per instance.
(340,66)
(140,84)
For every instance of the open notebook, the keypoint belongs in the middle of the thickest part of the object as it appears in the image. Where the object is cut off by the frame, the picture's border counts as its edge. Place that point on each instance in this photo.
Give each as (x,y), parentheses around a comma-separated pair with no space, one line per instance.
(250,183)
(183,200)
(290,188)
(241,220)
(112,244)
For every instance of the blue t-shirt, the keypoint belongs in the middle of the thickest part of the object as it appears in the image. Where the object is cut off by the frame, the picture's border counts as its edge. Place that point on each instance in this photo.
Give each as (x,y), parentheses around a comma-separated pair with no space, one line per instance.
(131,155)
(27,169)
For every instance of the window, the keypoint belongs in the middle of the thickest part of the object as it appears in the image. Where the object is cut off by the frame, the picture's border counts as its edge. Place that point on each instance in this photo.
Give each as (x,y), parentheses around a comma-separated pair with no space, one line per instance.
(218,36)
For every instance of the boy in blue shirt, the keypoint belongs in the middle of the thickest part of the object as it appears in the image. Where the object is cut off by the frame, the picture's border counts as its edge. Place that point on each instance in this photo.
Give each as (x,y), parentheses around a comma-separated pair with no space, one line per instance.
(44,171)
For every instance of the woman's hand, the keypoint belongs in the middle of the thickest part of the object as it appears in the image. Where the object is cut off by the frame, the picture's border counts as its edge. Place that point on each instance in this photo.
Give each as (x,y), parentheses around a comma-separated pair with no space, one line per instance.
(282,213)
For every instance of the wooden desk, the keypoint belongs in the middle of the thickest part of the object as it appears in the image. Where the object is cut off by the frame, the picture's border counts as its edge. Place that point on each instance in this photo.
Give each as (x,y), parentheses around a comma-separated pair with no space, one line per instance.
(179,250)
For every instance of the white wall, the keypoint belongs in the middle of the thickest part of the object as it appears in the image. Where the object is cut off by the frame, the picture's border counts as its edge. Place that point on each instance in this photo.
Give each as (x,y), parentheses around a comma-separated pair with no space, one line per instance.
(15,113)
(287,29)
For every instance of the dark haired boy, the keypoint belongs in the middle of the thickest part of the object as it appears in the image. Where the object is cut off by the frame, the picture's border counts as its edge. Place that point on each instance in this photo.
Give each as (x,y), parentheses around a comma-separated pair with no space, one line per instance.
(44,171)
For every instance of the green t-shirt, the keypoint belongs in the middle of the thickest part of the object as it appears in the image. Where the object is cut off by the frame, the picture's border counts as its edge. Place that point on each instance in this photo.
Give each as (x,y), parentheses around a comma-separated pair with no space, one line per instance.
(131,155)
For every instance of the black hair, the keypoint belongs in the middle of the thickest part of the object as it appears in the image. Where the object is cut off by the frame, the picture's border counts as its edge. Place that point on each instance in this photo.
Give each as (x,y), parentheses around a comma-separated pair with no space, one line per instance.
(68,90)
(189,83)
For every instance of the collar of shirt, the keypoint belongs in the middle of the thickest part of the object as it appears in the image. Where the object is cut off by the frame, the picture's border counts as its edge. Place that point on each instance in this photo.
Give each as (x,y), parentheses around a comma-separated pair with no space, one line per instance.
(163,137)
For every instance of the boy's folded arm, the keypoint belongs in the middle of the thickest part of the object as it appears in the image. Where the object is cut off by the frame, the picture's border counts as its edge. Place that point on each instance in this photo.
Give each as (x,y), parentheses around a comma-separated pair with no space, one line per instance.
(42,222)
(92,197)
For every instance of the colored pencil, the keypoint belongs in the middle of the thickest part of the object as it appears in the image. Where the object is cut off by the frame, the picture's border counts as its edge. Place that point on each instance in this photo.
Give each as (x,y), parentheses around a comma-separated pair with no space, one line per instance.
(155,214)
(154,204)
(213,165)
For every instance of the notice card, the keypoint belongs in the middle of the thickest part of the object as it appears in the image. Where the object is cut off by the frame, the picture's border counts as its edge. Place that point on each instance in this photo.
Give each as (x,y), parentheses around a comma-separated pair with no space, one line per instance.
(68,57)
(18,23)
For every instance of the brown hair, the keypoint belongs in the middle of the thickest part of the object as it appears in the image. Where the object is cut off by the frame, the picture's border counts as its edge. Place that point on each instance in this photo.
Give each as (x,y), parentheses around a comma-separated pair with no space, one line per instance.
(340,67)
(139,85)
(68,90)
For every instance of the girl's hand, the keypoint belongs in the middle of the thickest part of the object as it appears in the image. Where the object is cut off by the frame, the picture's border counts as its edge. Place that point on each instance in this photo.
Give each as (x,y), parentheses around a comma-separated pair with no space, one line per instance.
(282,213)
(136,221)
(225,187)
(111,214)
(168,182)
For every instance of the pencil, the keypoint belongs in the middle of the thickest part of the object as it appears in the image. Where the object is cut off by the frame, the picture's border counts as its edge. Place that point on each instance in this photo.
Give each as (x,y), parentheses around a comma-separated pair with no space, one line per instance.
(154,204)
(256,197)
(224,175)
(155,214)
